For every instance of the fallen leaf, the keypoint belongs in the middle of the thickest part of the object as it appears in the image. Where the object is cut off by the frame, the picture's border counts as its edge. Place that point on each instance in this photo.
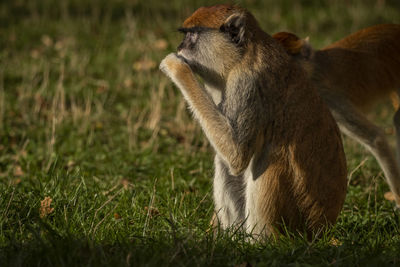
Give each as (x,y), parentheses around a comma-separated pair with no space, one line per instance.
(335,242)
(160,44)
(389,196)
(128,82)
(117,216)
(126,184)
(99,125)
(70,164)
(144,65)
(45,208)
(101,89)
(152,211)
(35,53)
(18,171)
(46,40)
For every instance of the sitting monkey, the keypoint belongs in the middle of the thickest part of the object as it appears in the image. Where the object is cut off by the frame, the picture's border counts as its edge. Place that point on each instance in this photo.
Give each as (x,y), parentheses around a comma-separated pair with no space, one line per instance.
(279,156)
(351,75)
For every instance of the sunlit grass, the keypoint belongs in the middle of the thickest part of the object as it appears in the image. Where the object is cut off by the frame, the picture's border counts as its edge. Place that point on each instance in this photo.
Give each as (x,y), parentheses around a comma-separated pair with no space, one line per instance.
(87,120)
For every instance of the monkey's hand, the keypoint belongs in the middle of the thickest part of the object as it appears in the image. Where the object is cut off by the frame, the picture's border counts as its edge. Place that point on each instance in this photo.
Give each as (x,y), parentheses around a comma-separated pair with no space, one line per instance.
(175,68)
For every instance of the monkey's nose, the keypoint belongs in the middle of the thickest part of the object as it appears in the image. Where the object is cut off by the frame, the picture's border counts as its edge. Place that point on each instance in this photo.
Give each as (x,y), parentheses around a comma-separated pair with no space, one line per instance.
(180,47)
(179,54)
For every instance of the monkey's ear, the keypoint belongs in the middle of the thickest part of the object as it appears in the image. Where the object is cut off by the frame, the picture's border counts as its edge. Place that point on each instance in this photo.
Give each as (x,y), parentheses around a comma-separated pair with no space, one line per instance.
(234,25)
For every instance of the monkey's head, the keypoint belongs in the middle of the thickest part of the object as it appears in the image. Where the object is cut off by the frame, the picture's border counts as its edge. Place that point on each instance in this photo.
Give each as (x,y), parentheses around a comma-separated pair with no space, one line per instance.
(215,38)
(294,46)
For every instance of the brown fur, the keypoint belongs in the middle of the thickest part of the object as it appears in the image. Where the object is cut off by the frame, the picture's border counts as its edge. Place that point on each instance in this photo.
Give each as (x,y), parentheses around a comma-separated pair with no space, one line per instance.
(290,42)
(279,153)
(364,66)
(351,75)
(211,17)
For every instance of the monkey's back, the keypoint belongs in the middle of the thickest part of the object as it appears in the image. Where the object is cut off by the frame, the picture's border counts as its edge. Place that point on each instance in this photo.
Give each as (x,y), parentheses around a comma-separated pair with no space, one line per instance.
(305,181)
(363,66)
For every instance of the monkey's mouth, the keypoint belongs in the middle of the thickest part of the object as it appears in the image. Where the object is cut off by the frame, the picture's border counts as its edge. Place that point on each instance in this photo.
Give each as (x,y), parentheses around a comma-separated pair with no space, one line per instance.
(182,57)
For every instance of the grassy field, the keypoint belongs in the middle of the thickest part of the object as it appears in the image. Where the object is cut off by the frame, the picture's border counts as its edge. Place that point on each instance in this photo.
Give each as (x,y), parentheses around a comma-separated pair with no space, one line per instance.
(101,163)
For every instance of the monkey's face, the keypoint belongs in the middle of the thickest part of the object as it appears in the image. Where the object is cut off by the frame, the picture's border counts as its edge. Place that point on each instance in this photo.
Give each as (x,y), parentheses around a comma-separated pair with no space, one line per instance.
(191,37)
(210,52)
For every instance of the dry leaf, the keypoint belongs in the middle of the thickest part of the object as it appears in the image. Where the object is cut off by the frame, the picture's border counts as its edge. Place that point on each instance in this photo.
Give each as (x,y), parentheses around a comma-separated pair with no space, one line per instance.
(59,45)
(45,208)
(335,242)
(128,82)
(389,196)
(101,89)
(144,65)
(35,53)
(117,216)
(126,184)
(98,125)
(46,40)
(70,164)
(160,44)
(152,211)
(18,171)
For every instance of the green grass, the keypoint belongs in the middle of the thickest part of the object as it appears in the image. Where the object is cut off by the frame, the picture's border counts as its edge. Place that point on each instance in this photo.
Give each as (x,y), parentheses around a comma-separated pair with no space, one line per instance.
(128,170)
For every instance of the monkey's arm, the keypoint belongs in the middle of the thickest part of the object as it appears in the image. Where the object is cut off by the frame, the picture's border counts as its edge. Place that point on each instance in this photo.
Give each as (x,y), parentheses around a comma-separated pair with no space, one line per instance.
(216,126)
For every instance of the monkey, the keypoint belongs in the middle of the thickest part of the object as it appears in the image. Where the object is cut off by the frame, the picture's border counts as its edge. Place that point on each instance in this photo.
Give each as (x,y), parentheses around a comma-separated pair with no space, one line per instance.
(351,75)
(279,160)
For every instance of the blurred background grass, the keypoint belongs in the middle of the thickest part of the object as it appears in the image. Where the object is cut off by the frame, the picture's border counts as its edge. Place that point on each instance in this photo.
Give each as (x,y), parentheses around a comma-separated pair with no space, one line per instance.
(87,119)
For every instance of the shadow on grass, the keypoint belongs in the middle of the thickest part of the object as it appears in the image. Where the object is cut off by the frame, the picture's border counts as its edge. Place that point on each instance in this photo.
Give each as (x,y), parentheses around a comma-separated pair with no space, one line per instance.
(46,247)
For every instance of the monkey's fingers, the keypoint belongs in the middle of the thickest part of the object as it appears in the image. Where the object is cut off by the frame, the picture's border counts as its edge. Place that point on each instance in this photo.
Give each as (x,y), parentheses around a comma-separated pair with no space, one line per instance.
(171,62)
(175,67)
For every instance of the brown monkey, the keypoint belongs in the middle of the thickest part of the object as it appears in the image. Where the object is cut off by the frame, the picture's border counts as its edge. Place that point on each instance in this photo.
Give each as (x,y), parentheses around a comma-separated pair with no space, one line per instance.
(279,157)
(351,75)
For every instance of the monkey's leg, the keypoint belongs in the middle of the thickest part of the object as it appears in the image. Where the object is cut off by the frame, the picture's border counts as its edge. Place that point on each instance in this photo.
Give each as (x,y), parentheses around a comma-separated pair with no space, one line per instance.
(228,196)
(215,94)
(258,219)
(253,224)
(355,125)
(396,122)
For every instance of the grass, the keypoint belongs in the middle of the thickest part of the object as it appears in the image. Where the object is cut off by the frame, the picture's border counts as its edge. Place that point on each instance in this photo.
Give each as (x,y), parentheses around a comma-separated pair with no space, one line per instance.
(87,120)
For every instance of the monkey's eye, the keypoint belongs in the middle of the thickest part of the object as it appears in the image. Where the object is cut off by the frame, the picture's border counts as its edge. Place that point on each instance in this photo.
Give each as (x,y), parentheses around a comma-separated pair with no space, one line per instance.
(191,34)
(192,37)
